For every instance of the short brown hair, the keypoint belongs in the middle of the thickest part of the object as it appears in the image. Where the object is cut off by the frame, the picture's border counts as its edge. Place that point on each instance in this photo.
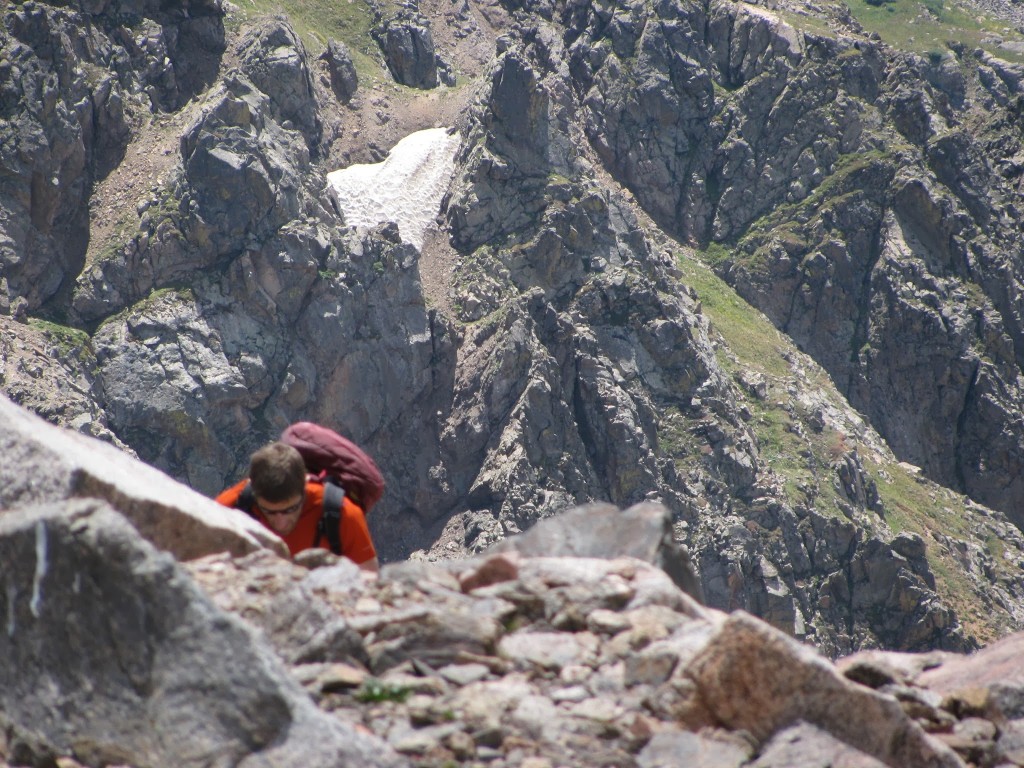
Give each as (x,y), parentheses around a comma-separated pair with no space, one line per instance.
(277,473)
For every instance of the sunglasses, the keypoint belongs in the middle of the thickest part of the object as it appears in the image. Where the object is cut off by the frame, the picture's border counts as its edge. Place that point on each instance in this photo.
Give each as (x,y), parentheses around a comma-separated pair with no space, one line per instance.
(286,511)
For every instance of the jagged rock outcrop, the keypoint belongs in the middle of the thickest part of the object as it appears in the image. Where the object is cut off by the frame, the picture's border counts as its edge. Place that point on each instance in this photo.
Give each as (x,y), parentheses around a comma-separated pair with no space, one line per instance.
(883,239)
(408,47)
(198,221)
(274,59)
(69,83)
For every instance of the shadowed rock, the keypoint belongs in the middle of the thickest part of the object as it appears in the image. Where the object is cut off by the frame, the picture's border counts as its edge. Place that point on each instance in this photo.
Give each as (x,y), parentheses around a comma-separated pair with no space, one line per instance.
(344,79)
(408,48)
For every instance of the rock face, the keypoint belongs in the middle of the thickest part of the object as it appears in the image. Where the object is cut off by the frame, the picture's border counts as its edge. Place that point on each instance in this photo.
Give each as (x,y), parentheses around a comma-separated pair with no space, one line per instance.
(883,240)
(64,124)
(548,346)
(275,61)
(408,48)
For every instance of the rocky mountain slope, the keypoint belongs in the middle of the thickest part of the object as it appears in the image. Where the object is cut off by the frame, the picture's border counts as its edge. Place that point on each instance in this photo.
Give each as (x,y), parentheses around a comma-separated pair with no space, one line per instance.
(177,281)
(144,625)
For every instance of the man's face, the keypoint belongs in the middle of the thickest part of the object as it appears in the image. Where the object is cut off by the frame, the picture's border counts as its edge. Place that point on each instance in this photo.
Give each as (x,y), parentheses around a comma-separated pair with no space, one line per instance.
(281,516)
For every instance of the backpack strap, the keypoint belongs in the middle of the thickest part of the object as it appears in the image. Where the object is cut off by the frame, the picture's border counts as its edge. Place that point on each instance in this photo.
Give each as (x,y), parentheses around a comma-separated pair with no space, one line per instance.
(246,500)
(330,521)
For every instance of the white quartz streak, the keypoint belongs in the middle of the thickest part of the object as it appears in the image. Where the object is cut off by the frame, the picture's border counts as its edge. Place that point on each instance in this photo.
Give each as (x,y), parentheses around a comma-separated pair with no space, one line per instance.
(406,188)
(41,567)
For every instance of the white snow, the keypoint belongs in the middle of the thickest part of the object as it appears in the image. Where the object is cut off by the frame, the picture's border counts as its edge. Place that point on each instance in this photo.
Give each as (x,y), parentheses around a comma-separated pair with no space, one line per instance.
(406,188)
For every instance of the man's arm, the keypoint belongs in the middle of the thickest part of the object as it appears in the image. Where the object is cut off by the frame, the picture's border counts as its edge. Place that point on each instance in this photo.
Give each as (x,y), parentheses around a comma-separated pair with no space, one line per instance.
(356,543)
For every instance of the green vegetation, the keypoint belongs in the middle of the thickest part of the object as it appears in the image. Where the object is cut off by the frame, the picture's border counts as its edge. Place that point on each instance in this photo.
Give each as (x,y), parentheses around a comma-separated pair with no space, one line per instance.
(798,453)
(928,27)
(376,691)
(317,21)
(170,293)
(916,505)
(123,231)
(788,224)
(749,334)
(69,342)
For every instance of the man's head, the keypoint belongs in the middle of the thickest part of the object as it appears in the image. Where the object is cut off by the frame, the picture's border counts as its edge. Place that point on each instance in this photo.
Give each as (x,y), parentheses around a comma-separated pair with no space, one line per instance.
(278,477)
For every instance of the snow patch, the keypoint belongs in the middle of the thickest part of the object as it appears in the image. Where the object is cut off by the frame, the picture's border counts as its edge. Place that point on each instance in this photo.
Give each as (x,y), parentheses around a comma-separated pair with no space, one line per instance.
(406,188)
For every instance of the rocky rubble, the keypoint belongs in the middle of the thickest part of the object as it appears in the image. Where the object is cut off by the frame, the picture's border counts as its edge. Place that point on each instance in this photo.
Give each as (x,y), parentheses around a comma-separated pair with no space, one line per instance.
(499,660)
(513,660)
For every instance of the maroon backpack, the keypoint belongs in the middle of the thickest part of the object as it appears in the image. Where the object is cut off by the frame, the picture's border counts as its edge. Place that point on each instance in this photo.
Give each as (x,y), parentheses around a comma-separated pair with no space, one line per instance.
(336,459)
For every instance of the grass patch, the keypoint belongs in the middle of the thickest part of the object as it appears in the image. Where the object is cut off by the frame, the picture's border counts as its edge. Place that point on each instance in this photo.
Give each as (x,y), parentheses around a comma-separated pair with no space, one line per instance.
(915,505)
(318,21)
(927,27)
(375,691)
(126,227)
(749,334)
(69,343)
(787,442)
(803,461)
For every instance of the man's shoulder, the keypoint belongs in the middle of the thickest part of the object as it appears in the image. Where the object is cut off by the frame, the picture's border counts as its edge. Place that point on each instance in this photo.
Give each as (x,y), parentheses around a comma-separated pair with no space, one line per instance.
(229,496)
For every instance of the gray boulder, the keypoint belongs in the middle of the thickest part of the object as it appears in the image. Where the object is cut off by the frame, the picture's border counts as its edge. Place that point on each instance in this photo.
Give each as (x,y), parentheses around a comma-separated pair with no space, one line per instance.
(643,531)
(111,654)
(344,80)
(46,464)
(408,49)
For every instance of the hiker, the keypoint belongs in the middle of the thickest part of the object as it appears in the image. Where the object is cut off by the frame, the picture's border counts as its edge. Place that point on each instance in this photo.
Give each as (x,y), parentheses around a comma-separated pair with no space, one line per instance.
(280,494)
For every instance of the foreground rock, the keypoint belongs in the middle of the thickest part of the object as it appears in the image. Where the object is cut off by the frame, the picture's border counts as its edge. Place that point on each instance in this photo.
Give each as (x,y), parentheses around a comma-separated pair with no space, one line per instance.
(45,464)
(112,655)
(602,530)
(562,661)
(975,704)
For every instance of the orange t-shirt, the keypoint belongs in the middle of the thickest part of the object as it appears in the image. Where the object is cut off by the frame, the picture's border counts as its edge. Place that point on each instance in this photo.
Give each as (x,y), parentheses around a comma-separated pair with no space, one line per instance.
(356,543)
